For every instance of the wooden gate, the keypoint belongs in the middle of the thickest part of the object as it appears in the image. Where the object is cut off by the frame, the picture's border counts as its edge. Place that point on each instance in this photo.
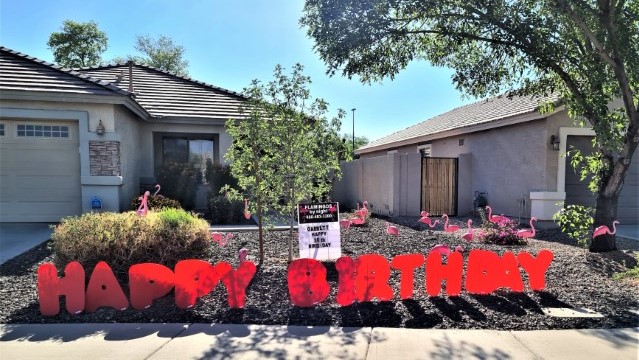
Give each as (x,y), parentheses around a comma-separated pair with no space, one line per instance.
(439,186)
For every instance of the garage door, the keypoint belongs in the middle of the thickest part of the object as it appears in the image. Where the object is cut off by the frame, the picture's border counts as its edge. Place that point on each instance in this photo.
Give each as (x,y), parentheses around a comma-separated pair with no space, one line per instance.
(577,191)
(39,170)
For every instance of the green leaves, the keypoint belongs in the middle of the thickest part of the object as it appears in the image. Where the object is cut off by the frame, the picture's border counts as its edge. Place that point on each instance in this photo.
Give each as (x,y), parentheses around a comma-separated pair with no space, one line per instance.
(576,221)
(78,44)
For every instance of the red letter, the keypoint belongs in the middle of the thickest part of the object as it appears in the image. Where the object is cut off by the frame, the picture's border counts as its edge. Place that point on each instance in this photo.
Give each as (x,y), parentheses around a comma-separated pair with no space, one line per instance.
(236,281)
(510,276)
(50,287)
(104,290)
(373,272)
(536,267)
(406,264)
(436,272)
(194,279)
(346,287)
(148,282)
(482,274)
(307,283)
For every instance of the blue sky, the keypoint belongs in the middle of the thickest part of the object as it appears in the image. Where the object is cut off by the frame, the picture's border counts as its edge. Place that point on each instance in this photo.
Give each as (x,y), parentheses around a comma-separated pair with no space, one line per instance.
(228,43)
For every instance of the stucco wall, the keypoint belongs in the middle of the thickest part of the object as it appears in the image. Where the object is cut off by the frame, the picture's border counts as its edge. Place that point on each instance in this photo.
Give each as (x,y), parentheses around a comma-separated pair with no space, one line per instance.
(128,128)
(553,123)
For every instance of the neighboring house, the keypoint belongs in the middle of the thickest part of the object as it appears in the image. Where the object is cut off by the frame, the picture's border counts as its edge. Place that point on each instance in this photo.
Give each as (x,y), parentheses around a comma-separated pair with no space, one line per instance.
(67,136)
(501,146)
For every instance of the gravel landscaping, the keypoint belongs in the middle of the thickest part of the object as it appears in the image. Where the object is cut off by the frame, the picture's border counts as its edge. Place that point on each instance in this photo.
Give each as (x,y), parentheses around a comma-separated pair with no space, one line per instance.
(575,279)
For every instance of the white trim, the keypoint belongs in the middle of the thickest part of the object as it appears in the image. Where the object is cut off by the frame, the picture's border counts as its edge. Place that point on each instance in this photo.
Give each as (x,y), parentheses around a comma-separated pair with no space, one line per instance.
(564,132)
(544,204)
(424,147)
(101,180)
(391,152)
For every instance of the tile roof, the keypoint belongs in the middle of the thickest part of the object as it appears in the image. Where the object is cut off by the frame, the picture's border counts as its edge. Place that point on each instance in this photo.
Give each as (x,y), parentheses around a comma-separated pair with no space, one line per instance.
(480,112)
(163,94)
(21,72)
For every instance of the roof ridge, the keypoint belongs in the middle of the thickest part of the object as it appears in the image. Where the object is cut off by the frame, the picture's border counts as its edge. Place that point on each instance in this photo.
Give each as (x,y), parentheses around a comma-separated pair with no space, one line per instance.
(186,78)
(71,72)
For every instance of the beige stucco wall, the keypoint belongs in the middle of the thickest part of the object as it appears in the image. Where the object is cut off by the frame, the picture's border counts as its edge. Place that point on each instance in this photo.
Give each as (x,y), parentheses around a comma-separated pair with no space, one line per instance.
(104,112)
(127,126)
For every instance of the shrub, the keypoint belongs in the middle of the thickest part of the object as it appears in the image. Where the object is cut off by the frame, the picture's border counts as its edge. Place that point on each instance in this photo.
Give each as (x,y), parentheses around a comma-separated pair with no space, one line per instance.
(225,211)
(502,233)
(125,239)
(179,182)
(156,203)
(217,176)
(576,221)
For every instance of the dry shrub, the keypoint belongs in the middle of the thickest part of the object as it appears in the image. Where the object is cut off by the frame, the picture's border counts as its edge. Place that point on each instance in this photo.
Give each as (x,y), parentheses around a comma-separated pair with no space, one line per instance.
(156,203)
(122,240)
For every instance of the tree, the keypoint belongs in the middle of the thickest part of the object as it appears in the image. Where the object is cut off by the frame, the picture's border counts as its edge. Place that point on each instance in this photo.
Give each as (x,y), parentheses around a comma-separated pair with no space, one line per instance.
(348,142)
(586,51)
(283,153)
(78,44)
(161,53)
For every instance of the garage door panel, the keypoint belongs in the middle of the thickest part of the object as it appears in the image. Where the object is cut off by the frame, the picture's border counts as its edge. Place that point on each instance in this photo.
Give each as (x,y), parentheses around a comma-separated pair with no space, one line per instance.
(40,177)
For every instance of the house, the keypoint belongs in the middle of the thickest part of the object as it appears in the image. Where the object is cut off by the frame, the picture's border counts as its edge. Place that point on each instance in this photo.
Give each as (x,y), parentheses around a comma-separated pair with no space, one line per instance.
(69,136)
(502,148)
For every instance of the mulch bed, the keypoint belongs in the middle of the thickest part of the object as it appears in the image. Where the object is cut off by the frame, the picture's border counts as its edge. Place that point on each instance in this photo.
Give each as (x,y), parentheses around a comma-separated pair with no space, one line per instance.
(575,279)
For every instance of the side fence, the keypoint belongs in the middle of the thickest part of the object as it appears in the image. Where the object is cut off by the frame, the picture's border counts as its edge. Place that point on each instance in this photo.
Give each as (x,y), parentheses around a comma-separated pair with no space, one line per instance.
(390,184)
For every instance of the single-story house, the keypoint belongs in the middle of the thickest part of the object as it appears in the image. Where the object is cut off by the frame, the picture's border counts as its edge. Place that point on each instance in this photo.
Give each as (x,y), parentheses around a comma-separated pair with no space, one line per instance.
(69,136)
(502,148)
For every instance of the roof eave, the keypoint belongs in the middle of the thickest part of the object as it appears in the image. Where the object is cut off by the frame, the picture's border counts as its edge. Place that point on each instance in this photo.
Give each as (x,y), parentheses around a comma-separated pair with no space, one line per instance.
(511,120)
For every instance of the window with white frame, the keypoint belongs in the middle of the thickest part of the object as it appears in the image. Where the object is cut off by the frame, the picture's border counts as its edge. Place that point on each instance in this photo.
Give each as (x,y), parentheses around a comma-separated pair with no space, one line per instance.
(424,150)
(42,131)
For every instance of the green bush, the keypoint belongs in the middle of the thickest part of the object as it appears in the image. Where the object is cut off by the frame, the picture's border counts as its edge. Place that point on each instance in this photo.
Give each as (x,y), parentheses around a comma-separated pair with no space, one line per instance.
(122,240)
(217,176)
(576,221)
(156,203)
(225,211)
(179,182)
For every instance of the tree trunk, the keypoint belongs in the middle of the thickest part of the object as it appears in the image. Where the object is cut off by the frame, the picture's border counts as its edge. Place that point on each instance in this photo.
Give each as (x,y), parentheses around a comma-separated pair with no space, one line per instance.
(605,214)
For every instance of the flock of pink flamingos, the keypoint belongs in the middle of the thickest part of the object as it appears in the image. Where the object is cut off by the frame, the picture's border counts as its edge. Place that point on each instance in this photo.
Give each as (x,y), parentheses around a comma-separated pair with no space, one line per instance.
(362,213)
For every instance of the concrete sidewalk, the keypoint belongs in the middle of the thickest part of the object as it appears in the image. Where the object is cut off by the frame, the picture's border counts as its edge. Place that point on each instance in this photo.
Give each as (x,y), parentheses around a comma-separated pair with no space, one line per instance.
(216,341)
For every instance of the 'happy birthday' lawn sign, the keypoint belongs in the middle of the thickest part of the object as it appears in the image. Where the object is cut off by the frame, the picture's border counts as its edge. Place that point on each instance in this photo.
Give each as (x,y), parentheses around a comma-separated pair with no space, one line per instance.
(360,280)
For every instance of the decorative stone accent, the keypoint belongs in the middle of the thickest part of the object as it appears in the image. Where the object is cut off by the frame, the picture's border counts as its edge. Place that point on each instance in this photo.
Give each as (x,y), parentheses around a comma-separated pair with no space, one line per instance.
(104,158)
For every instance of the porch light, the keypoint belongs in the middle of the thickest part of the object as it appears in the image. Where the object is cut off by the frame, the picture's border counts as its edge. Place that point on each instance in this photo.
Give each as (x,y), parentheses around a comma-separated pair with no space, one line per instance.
(554,140)
(100,128)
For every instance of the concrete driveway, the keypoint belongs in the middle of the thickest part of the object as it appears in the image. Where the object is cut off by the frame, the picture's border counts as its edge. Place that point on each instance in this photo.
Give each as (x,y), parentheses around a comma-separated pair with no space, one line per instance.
(17,238)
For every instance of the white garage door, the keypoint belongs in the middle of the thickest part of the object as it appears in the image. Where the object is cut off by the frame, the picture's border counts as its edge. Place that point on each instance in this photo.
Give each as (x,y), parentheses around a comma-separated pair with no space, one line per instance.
(39,170)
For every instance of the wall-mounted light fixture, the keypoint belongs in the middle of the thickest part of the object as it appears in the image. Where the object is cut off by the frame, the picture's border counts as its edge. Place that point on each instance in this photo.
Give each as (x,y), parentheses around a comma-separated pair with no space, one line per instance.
(554,141)
(100,128)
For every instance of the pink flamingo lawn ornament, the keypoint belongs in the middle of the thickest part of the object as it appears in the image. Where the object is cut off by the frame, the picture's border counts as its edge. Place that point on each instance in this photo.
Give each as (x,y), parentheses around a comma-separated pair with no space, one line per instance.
(459,249)
(243,254)
(157,191)
(451,228)
(143,209)
(357,220)
(332,209)
(247,213)
(220,238)
(469,235)
(527,233)
(495,218)
(428,221)
(603,229)
(392,230)
(345,224)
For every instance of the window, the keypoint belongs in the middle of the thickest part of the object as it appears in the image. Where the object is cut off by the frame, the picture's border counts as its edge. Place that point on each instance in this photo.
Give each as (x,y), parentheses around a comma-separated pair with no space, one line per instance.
(1,129)
(461,142)
(424,150)
(43,131)
(193,151)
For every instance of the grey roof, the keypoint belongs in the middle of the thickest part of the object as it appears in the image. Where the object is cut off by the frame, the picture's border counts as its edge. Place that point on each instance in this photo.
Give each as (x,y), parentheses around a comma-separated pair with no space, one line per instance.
(163,94)
(480,112)
(21,72)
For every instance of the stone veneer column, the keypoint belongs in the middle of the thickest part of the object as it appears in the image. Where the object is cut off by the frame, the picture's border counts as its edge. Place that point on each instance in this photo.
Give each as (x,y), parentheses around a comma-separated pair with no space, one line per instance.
(104,158)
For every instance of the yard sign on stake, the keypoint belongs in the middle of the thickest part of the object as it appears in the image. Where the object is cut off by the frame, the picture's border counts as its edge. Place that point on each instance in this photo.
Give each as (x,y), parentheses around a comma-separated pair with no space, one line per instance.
(319,232)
